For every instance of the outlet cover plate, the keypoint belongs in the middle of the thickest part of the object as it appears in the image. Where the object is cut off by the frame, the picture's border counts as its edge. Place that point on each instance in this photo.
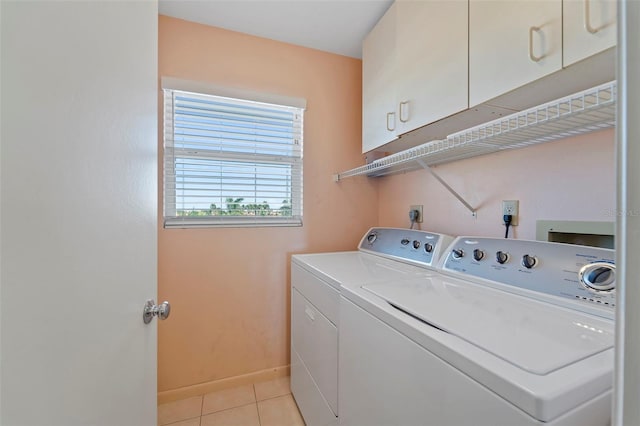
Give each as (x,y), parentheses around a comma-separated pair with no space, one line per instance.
(510,207)
(419,208)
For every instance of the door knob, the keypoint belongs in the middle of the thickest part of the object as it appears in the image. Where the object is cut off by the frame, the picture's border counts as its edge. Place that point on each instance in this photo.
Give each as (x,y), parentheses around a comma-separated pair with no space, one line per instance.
(151,310)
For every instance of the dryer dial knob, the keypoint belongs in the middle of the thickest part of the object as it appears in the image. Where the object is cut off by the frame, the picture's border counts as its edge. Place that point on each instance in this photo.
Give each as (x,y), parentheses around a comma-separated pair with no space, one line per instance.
(404,242)
(478,255)
(416,244)
(529,261)
(502,257)
(428,247)
(598,276)
(372,237)
(457,253)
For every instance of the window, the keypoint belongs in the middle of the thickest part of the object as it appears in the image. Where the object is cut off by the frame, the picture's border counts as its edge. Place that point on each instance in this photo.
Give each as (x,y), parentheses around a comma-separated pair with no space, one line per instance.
(231,162)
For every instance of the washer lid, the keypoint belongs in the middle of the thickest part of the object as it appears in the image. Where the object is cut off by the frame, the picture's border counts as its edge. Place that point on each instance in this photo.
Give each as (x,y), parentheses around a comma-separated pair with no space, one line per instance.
(532,335)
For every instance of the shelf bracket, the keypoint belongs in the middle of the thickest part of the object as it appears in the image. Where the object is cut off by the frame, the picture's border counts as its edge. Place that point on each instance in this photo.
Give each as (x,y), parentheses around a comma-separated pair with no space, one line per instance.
(451,190)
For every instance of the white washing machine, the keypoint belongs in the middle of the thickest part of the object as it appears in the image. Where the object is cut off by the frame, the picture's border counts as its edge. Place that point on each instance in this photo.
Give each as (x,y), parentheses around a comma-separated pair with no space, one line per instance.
(509,333)
(384,255)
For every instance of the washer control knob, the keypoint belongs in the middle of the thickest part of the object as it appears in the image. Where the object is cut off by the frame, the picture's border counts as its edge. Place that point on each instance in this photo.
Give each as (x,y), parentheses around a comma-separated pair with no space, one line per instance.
(457,253)
(598,276)
(404,242)
(372,237)
(416,244)
(502,257)
(428,247)
(478,255)
(529,261)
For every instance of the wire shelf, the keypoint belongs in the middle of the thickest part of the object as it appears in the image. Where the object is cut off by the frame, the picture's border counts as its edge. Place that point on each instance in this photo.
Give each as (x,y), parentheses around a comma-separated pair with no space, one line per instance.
(583,112)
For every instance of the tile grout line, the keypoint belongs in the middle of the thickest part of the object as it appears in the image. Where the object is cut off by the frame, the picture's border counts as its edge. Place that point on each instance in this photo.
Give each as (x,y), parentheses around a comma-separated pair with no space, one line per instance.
(201,410)
(255,395)
(277,396)
(184,419)
(180,421)
(227,409)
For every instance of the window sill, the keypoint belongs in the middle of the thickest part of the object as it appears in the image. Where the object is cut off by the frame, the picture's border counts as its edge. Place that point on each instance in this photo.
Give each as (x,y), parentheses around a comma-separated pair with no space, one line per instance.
(229,222)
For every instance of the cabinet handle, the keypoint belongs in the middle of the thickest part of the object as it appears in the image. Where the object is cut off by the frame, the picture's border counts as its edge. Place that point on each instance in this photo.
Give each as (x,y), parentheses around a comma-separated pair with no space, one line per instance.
(402,109)
(533,57)
(394,121)
(587,18)
(309,313)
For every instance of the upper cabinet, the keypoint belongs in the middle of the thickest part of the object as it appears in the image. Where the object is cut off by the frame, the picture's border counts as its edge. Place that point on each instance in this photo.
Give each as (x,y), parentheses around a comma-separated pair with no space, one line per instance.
(511,43)
(589,27)
(431,61)
(415,69)
(379,117)
(435,67)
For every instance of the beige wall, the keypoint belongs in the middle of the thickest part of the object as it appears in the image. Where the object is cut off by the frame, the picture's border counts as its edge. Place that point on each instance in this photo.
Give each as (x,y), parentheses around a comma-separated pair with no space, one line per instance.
(229,287)
(570,179)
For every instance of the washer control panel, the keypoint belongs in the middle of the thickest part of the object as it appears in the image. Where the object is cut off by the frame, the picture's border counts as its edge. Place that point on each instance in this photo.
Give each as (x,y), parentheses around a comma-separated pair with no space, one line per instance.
(579,273)
(409,245)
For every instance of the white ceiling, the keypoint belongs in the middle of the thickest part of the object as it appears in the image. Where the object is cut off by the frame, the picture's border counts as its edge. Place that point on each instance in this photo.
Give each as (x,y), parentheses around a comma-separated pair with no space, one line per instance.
(336,26)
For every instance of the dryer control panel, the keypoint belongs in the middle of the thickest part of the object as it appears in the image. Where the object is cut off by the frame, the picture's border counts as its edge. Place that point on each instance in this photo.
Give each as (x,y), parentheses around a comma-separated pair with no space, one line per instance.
(585,275)
(413,246)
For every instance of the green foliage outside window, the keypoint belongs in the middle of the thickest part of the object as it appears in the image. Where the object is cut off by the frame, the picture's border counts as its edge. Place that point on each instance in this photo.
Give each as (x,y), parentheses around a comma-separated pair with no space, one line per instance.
(235,207)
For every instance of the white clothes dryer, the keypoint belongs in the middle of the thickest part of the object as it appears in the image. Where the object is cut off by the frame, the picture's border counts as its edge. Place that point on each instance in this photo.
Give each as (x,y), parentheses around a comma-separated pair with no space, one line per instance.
(383,255)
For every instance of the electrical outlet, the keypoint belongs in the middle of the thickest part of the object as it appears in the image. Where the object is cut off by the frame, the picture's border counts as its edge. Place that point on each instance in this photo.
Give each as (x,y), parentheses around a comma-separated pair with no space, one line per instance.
(510,207)
(419,209)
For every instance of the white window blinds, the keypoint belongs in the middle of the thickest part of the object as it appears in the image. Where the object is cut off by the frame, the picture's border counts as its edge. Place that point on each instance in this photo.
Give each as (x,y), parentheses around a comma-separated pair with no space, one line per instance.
(231,162)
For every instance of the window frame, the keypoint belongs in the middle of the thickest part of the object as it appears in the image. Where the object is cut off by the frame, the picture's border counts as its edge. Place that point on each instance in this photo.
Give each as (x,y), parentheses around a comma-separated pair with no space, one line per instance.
(172,152)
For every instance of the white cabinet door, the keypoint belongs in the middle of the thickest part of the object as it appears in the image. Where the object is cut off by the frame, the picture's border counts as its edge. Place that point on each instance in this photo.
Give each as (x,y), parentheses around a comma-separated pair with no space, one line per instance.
(79,212)
(431,61)
(512,43)
(589,27)
(379,117)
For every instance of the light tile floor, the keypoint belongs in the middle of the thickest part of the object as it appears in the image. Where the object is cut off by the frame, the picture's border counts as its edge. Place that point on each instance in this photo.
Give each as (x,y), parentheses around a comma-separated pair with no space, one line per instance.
(267,403)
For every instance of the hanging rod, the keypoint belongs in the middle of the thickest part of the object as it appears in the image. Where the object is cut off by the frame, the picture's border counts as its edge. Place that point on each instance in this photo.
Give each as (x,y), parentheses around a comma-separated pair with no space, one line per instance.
(583,112)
